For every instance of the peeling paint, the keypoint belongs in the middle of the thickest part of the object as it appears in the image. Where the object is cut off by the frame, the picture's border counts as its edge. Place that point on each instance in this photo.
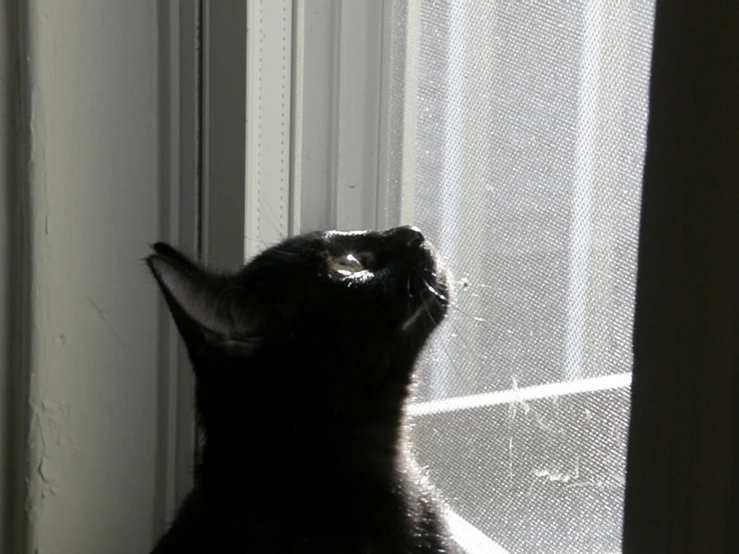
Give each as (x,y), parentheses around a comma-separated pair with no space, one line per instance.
(52,423)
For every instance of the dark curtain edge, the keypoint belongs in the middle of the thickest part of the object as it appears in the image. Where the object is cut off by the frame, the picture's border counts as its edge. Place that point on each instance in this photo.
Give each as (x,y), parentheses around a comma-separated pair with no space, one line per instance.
(683,450)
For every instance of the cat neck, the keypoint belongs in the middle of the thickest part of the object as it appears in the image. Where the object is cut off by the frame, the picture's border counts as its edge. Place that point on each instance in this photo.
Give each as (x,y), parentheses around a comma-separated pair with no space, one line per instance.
(366,458)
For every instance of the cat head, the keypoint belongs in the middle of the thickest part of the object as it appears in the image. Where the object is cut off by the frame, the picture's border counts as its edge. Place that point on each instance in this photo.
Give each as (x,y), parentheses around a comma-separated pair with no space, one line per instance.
(326,324)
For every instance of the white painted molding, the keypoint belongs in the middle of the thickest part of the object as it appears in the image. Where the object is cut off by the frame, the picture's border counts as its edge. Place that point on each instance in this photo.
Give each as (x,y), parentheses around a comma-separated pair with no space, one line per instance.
(314,92)
(396,160)
(180,215)
(297,80)
(269,111)
(90,87)
(341,136)
(223,148)
(357,118)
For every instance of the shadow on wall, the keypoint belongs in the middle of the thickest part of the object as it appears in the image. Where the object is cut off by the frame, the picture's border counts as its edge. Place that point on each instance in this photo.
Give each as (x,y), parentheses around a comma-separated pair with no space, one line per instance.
(13,207)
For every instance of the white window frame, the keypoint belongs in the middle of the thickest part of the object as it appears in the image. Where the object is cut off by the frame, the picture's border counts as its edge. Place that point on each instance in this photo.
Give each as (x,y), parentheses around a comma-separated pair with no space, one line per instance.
(347,153)
(343,145)
(322,162)
(180,147)
(339,154)
(321,78)
(343,153)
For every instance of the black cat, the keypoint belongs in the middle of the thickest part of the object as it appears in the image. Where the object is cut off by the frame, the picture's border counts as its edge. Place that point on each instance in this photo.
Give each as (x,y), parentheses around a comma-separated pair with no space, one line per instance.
(303,360)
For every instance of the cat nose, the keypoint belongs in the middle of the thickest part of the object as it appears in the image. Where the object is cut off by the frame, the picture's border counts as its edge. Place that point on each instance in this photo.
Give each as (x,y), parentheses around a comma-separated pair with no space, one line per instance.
(407,236)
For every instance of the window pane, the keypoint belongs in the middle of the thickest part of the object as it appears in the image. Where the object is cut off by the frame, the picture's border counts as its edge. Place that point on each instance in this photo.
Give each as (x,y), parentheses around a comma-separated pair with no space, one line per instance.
(529,144)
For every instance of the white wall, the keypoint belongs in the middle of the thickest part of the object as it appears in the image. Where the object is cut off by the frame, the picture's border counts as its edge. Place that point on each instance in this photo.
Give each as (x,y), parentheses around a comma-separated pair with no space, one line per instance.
(91,78)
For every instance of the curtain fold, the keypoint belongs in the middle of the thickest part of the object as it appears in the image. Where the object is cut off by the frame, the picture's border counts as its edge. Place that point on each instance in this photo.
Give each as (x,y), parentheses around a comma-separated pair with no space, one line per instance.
(682,492)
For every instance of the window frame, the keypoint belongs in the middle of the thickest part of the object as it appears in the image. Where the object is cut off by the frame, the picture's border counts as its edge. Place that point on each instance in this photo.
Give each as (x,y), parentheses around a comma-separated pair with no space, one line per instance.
(343,148)
(339,156)
(181,153)
(331,171)
(343,139)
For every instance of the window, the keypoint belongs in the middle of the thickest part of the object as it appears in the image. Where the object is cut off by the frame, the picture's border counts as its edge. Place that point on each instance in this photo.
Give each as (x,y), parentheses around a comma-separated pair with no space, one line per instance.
(526,165)
(513,134)
(512,131)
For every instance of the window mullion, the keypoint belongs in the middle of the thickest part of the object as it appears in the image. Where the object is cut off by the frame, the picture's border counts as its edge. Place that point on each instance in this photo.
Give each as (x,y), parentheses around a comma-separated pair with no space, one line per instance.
(268,122)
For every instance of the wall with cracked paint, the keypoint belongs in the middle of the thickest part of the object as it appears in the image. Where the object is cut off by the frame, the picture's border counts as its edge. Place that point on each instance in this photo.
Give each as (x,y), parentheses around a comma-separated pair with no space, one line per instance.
(92,80)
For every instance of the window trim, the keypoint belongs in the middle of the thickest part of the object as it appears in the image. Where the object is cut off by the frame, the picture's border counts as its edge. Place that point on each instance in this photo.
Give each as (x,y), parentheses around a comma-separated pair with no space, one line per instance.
(270,187)
(338,93)
(339,121)
(342,143)
(343,155)
(343,146)
(180,148)
(326,198)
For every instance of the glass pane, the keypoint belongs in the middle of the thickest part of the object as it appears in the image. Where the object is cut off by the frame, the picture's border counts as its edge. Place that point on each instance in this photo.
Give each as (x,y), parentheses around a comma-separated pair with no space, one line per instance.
(528,146)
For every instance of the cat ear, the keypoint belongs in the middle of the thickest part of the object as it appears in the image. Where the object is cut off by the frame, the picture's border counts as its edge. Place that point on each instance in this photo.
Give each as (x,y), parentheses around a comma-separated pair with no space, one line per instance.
(191,293)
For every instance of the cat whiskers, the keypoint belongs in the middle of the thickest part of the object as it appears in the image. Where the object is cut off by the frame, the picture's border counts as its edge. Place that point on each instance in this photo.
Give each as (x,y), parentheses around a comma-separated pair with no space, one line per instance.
(440,297)
(409,295)
(425,304)
(435,292)
(442,345)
